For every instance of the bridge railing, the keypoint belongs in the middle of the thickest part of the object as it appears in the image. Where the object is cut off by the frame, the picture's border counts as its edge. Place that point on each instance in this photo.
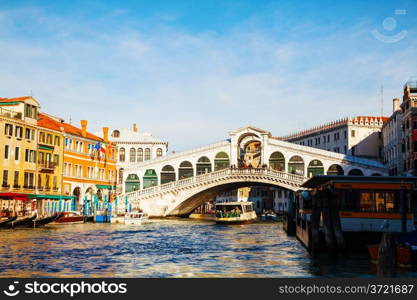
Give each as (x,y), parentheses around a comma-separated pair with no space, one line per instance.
(214,175)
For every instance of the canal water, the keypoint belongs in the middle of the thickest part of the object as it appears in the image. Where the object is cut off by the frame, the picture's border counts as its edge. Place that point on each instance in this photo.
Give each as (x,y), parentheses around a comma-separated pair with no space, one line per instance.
(166,248)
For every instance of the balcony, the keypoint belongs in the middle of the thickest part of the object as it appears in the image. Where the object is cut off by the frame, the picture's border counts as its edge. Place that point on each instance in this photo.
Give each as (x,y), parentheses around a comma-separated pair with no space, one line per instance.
(16,186)
(11,114)
(29,187)
(47,167)
(5,186)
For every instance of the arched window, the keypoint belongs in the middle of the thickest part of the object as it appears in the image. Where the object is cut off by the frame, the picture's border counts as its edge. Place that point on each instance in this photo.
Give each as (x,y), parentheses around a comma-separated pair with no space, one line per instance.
(221,161)
(277,161)
(167,174)
(120,175)
(132,155)
(122,157)
(296,165)
(335,170)
(158,152)
(147,154)
(203,165)
(185,170)
(315,167)
(140,154)
(115,133)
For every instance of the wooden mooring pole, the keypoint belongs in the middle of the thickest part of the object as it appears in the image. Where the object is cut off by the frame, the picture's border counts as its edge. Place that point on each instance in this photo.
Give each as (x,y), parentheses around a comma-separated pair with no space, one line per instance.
(387,255)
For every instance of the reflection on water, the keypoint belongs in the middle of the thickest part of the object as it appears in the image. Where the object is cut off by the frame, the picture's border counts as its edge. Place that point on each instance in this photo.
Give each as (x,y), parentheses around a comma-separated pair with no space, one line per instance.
(164,248)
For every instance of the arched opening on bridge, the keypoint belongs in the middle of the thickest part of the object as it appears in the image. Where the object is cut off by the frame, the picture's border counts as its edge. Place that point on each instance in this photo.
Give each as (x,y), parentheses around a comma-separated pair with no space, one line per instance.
(132,157)
(296,165)
(167,174)
(355,172)
(249,150)
(185,170)
(315,167)
(150,178)
(132,183)
(277,161)
(221,161)
(335,170)
(376,174)
(203,165)
(252,154)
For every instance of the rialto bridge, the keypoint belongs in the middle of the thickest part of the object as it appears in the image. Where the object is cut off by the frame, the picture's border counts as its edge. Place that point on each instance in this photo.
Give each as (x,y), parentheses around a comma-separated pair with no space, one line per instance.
(178,183)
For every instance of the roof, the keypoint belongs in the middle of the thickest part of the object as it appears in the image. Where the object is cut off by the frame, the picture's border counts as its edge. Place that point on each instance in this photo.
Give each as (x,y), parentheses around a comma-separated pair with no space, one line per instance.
(321,180)
(18,99)
(49,122)
(128,135)
(329,126)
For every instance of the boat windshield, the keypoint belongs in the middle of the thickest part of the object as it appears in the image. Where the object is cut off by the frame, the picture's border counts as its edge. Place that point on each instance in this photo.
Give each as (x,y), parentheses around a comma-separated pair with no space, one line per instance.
(228,211)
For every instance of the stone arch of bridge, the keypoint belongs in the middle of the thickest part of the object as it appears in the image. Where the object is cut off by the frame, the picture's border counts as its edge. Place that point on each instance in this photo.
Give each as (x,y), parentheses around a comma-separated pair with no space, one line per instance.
(198,196)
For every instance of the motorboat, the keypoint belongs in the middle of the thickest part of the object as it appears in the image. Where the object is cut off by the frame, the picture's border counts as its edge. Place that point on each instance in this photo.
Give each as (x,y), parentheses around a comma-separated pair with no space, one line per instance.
(118,218)
(235,213)
(69,217)
(135,218)
(269,216)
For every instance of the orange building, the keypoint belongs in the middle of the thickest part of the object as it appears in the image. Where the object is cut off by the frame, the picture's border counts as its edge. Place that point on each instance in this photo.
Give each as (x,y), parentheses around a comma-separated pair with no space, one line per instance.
(89,168)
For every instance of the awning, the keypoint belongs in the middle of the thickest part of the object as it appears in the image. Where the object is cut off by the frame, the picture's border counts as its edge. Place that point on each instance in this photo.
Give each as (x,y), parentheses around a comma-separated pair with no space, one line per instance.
(105,187)
(46,148)
(51,197)
(14,196)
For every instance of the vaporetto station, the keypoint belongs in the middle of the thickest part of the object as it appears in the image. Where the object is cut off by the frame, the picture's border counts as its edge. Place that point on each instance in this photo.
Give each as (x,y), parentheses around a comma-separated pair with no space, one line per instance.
(178,183)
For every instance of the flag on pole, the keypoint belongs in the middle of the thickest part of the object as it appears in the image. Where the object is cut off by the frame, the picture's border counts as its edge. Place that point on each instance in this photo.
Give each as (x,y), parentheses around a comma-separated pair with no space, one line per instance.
(103,147)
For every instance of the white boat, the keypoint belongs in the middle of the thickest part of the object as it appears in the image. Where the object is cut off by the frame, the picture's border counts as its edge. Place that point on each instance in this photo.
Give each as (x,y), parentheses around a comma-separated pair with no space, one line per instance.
(135,218)
(235,213)
(118,219)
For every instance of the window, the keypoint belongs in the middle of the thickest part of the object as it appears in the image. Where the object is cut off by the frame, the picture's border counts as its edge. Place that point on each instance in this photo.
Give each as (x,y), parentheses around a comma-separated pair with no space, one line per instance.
(33,135)
(8,130)
(19,132)
(42,137)
(57,140)
(116,133)
(27,133)
(28,180)
(6,151)
(140,154)
(16,153)
(16,179)
(39,180)
(158,152)
(147,154)
(5,178)
(352,133)
(122,154)
(132,155)
(47,183)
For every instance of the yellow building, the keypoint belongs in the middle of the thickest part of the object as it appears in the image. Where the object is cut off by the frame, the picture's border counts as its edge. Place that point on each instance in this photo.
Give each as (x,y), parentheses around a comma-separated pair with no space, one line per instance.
(31,158)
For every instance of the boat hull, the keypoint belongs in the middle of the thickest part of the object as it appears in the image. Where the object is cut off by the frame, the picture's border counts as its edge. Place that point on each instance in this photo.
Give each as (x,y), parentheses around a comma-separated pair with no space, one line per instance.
(3,224)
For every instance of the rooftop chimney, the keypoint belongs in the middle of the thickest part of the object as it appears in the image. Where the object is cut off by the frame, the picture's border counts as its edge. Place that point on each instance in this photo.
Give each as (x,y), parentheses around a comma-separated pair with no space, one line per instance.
(106,134)
(84,128)
(395,104)
(135,129)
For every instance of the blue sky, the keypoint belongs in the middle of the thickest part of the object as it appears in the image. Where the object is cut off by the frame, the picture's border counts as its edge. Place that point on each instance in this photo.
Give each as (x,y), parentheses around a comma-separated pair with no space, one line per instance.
(190,71)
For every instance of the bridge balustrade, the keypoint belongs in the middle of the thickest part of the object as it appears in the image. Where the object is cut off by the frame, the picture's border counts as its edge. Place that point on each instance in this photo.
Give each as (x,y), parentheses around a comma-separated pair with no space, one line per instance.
(214,175)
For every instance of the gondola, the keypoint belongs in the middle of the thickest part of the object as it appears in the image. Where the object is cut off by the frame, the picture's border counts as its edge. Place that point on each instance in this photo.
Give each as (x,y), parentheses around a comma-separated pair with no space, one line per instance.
(41,222)
(3,224)
(21,222)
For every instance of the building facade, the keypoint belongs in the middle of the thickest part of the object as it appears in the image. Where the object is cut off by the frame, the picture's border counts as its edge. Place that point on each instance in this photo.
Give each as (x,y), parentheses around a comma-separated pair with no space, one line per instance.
(392,140)
(89,170)
(135,147)
(409,126)
(360,136)
(31,160)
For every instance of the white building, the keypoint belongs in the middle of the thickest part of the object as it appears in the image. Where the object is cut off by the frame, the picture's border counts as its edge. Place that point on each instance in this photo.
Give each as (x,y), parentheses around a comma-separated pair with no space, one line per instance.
(134,147)
(360,136)
(392,139)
